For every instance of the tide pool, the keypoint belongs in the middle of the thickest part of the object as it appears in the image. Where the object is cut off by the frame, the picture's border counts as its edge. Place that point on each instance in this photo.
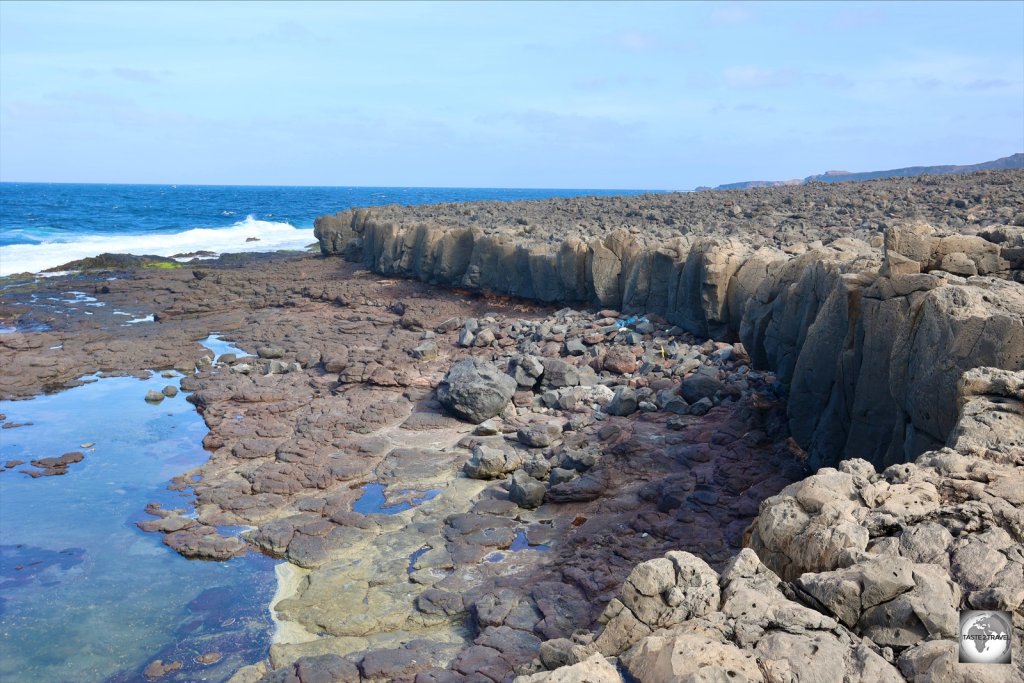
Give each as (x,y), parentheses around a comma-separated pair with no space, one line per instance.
(84,594)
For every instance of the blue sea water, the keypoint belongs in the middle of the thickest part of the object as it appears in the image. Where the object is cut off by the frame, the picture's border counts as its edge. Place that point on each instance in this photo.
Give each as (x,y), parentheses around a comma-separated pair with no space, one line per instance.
(85,595)
(43,225)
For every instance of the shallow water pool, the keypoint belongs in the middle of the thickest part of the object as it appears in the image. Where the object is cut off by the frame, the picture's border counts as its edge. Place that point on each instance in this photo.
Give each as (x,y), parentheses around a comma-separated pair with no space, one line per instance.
(220,347)
(84,594)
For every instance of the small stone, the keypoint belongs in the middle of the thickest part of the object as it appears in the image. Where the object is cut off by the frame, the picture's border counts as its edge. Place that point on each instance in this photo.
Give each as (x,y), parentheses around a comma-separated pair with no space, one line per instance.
(623,402)
(676,404)
(270,352)
(699,386)
(488,463)
(170,391)
(575,347)
(484,337)
(157,669)
(525,491)
(448,325)
(537,466)
(702,407)
(560,475)
(426,351)
(539,436)
(154,396)
(475,390)
(526,370)
(620,360)
(487,428)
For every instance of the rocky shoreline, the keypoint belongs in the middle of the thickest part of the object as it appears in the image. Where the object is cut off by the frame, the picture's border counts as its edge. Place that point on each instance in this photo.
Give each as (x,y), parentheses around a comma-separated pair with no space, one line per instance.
(759,407)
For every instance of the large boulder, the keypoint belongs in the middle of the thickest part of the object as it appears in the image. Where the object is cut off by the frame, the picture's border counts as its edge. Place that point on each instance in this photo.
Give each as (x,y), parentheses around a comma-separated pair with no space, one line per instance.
(475,390)
(682,656)
(595,669)
(659,593)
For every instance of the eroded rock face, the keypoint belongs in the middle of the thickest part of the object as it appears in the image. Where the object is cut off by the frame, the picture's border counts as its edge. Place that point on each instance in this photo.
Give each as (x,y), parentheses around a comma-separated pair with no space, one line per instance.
(599,461)
(594,669)
(659,593)
(869,329)
(864,573)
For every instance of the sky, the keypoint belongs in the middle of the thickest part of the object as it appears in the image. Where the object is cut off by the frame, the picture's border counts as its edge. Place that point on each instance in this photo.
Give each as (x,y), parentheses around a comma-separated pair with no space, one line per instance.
(523,94)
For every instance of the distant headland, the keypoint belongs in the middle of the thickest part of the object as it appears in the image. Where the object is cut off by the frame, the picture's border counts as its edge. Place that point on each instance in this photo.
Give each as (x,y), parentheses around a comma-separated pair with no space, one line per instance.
(1012,161)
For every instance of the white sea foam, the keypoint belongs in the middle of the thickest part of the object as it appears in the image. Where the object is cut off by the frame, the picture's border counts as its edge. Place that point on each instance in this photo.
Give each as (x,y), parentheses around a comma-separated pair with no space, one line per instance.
(271,236)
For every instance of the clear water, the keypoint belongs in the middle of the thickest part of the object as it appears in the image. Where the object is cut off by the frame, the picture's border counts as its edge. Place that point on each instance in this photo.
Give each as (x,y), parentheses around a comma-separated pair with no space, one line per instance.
(374,502)
(220,347)
(43,225)
(519,544)
(84,594)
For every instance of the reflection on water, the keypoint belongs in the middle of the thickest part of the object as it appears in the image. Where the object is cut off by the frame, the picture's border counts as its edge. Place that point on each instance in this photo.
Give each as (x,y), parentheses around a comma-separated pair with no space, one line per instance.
(374,502)
(85,595)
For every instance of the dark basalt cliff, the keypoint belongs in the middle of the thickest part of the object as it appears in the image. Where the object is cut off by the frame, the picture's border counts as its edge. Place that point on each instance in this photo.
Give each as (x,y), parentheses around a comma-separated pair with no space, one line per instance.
(869,301)
(891,314)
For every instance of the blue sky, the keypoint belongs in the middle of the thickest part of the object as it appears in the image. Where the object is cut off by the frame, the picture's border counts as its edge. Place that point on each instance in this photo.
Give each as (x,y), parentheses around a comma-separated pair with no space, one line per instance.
(596,95)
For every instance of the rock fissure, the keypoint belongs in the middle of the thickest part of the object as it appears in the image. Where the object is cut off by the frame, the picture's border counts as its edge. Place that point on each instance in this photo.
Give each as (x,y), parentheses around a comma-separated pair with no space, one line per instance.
(619,438)
(870,340)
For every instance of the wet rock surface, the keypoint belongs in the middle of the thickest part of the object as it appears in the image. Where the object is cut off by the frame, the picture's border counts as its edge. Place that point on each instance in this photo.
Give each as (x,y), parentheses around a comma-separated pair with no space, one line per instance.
(487,539)
(838,471)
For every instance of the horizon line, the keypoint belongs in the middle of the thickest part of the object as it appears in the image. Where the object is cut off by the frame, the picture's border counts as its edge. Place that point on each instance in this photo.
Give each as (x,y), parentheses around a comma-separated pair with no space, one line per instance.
(361,187)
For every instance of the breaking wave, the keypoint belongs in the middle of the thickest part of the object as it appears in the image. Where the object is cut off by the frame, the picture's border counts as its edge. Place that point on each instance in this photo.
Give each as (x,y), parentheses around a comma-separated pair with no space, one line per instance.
(249,235)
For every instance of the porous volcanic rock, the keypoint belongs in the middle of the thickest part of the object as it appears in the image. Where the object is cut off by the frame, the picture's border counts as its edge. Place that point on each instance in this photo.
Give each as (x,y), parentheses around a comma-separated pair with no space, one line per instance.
(475,390)
(862,315)
(857,425)
(871,569)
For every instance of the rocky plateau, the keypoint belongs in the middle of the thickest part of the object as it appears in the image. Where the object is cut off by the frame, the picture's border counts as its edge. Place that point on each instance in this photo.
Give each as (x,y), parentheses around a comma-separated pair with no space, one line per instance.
(767,435)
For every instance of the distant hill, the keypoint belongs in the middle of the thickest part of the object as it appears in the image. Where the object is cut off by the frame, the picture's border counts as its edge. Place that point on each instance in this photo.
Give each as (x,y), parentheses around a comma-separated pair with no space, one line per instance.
(1012,161)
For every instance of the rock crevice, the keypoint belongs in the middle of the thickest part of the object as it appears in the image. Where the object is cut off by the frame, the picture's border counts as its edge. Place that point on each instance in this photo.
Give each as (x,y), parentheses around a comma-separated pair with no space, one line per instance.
(869,333)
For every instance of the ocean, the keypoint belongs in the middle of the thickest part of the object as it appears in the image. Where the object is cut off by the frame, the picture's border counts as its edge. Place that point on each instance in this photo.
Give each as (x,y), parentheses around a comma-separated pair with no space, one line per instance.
(85,595)
(44,225)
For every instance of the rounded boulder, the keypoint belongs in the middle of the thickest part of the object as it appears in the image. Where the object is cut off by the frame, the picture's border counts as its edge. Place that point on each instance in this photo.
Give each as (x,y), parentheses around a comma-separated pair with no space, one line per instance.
(475,390)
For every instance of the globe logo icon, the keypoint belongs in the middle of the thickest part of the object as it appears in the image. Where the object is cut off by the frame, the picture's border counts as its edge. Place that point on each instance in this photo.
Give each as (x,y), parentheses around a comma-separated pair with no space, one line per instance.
(985,637)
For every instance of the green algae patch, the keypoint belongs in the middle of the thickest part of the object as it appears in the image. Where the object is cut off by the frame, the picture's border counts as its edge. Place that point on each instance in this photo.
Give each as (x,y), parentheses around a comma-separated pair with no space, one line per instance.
(107,262)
